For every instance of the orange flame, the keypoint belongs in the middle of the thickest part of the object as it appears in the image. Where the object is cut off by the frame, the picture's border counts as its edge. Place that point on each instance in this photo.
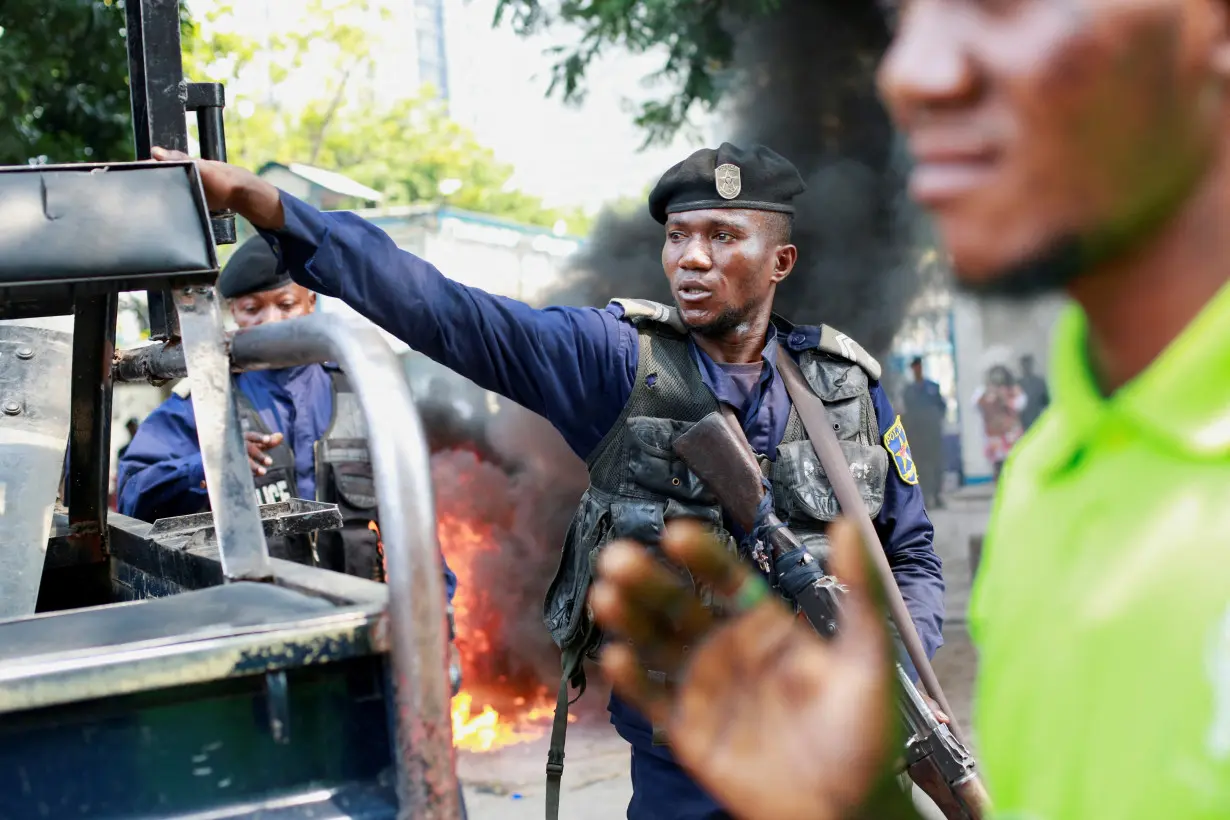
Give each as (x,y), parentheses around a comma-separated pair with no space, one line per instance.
(478,626)
(384,566)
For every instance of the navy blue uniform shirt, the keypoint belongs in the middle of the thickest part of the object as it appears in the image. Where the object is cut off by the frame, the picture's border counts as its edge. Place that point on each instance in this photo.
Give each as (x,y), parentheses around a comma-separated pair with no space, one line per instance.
(161,472)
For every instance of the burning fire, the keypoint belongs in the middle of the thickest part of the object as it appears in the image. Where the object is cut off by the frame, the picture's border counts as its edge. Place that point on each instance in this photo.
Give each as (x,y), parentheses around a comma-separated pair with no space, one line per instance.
(507,716)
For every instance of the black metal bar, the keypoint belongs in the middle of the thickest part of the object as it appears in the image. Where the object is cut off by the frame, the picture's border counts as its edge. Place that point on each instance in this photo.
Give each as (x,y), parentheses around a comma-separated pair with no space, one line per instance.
(89,441)
(208,100)
(163,320)
(154,363)
(158,88)
(205,95)
(135,40)
(155,65)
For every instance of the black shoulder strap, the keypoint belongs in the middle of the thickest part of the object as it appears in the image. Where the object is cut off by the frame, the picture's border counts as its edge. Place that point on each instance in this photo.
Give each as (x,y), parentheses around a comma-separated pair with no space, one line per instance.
(820,432)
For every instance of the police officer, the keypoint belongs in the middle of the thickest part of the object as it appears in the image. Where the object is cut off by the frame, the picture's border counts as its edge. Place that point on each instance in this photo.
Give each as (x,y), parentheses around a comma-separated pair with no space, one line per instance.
(301,426)
(620,382)
(924,409)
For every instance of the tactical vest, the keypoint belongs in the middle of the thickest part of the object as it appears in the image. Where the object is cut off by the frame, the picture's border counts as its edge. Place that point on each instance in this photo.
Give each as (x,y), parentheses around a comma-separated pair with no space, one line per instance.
(637,484)
(343,477)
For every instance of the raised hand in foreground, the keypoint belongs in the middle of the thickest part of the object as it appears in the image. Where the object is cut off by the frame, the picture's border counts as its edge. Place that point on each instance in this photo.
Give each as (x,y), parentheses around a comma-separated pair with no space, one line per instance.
(773,721)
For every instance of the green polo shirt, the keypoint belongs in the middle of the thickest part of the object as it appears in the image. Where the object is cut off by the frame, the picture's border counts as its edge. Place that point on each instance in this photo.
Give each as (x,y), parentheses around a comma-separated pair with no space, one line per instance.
(1102,609)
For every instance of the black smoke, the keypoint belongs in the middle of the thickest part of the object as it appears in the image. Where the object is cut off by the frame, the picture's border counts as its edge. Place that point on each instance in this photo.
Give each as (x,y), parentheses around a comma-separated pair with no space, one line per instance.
(803,83)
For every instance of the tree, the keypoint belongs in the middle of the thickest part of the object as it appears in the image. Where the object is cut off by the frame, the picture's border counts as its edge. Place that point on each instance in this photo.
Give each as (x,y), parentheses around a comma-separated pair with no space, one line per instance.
(63,74)
(64,81)
(404,148)
(696,36)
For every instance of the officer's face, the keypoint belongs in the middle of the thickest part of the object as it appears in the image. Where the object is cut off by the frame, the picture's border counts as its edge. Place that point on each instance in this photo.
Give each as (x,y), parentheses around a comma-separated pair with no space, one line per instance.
(286,302)
(1049,134)
(723,265)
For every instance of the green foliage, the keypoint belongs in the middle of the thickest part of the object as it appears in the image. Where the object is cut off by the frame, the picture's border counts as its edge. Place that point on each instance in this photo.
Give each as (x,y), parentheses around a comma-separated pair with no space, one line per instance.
(63,74)
(404,148)
(64,81)
(694,34)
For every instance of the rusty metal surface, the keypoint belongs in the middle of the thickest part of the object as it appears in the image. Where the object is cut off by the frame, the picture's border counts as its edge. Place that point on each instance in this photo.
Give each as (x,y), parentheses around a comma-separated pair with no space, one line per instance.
(427,780)
(153,363)
(89,446)
(35,365)
(228,476)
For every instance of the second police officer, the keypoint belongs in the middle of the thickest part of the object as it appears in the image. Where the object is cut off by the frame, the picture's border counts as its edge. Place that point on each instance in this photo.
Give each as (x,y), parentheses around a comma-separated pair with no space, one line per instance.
(302,426)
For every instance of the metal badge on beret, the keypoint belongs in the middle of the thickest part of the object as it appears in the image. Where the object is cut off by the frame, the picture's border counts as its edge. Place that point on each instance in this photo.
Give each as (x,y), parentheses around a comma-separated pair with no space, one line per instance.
(729,181)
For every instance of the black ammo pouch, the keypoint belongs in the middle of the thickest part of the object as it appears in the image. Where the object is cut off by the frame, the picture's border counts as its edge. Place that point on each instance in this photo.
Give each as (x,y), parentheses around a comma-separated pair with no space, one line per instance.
(344,477)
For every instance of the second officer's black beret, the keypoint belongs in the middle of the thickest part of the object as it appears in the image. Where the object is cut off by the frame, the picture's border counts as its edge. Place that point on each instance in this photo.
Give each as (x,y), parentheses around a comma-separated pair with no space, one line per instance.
(252,269)
(756,178)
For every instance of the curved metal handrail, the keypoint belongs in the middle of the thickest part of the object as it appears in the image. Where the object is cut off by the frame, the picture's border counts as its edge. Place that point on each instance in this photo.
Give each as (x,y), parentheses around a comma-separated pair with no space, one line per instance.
(427,779)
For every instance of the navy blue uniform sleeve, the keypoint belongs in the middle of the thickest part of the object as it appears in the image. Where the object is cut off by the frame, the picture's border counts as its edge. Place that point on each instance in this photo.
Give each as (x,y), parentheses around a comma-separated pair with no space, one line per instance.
(161,472)
(573,366)
(908,538)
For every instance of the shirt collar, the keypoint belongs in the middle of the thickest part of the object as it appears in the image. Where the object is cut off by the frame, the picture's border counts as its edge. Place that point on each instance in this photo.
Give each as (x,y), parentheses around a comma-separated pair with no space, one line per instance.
(795,337)
(1183,397)
(707,365)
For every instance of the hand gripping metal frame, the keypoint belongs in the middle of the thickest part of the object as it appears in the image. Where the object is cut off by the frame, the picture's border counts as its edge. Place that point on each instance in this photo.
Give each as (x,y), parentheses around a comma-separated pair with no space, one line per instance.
(427,780)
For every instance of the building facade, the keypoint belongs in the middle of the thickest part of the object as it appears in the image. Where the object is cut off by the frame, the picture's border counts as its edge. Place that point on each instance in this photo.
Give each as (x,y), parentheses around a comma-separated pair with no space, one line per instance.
(431,46)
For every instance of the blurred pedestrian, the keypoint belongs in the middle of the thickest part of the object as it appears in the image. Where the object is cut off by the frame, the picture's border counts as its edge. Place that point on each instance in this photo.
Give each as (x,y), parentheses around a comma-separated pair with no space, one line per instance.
(923,411)
(1000,401)
(1037,396)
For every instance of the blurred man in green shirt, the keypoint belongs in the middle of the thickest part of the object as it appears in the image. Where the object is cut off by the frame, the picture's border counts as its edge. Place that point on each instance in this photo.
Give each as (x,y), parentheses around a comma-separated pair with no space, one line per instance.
(1075,144)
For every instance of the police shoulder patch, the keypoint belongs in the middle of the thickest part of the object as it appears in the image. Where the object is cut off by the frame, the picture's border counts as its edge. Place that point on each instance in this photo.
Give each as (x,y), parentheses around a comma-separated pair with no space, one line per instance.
(898,447)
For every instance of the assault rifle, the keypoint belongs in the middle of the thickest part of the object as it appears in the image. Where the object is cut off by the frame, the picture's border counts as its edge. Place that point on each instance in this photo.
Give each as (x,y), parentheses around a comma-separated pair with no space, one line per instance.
(935,758)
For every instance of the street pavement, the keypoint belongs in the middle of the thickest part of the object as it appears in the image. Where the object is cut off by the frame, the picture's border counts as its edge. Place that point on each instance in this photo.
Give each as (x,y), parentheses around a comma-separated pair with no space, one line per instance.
(508,784)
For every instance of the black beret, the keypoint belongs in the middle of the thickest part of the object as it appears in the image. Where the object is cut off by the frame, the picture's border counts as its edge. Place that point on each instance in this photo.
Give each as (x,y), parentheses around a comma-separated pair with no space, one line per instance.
(758,179)
(252,269)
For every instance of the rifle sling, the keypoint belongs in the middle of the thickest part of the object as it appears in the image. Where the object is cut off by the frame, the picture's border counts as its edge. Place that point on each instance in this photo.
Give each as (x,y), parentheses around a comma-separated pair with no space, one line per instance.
(572,668)
(819,427)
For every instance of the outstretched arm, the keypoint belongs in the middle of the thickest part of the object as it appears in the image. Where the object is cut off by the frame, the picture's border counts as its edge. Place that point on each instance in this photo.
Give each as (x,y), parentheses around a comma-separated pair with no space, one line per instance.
(575,366)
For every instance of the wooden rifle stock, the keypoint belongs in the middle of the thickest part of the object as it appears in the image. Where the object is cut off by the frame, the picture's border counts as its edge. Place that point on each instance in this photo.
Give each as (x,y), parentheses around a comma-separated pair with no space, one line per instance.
(926,775)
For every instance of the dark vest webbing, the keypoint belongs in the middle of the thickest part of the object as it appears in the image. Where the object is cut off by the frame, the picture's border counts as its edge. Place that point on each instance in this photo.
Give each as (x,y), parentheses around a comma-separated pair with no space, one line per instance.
(637,484)
(343,477)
